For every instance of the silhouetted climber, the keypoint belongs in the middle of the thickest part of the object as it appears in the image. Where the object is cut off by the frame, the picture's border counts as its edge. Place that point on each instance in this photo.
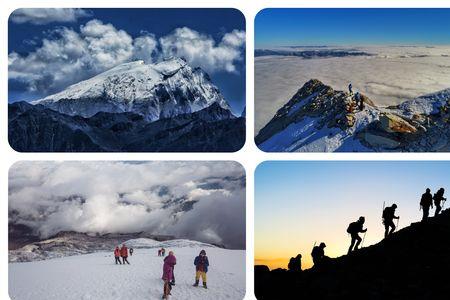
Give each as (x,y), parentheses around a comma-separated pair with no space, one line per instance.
(350,89)
(354,229)
(425,203)
(295,263)
(438,198)
(318,254)
(388,219)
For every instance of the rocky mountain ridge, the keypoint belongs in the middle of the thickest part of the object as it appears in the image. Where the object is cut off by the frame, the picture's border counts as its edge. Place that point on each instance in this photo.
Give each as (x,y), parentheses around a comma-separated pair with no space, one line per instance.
(320,119)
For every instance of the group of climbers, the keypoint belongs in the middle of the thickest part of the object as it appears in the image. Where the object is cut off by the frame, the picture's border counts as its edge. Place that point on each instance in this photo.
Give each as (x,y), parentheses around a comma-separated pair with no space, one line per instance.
(122,253)
(357,227)
(356,97)
(201,263)
(162,252)
(426,202)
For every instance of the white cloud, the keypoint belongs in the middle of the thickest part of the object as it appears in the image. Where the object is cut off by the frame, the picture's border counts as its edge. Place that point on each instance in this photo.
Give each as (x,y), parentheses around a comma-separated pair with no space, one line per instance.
(68,56)
(123,197)
(145,47)
(201,50)
(40,16)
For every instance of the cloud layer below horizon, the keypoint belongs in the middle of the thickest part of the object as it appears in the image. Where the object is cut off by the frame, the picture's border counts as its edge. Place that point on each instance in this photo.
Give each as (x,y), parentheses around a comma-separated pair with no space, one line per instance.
(391,76)
(67,56)
(124,197)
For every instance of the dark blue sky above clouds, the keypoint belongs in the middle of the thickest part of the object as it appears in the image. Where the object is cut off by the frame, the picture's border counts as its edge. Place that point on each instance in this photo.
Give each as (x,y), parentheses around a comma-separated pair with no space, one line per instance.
(349,26)
(41,40)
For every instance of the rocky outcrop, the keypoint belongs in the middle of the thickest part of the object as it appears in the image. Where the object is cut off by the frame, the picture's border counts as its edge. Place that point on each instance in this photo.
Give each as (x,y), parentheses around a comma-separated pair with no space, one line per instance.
(318,118)
(392,123)
(407,265)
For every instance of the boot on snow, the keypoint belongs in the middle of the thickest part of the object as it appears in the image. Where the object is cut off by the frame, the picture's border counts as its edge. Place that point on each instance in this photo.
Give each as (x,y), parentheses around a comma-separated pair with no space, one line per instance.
(204,285)
(196,283)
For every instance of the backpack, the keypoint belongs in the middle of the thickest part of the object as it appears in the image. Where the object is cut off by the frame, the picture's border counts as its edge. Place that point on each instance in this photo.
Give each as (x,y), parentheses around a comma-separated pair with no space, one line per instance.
(352,227)
(387,213)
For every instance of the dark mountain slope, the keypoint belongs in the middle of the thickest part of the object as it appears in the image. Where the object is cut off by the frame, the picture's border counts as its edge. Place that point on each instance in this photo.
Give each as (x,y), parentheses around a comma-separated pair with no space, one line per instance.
(411,264)
(34,128)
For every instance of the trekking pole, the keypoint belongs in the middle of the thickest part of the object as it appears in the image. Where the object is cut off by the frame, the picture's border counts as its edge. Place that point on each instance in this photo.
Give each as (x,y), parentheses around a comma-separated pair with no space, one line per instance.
(382,212)
(364,238)
(398,221)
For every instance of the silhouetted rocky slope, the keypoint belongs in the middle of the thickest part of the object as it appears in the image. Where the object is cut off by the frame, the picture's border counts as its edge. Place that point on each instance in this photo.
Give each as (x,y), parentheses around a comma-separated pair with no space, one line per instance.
(34,128)
(411,264)
(319,119)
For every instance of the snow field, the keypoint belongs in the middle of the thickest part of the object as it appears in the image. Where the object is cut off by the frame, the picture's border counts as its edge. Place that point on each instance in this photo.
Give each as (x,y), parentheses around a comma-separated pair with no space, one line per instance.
(95,276)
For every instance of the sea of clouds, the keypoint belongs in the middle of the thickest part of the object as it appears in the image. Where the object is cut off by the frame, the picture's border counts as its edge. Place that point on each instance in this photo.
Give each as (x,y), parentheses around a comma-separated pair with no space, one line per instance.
(68,55)
(391,75)
(125,197)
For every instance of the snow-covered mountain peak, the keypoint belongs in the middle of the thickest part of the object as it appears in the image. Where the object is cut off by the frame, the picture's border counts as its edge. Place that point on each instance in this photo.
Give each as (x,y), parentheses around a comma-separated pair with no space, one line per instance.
(160,90)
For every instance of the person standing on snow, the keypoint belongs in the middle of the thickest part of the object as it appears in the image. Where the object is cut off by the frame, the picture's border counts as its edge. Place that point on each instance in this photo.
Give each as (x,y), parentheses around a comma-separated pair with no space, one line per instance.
(169,264)
(359,102)
(131,251)
(350,88)
(124,254)
(201,268)
(117,255)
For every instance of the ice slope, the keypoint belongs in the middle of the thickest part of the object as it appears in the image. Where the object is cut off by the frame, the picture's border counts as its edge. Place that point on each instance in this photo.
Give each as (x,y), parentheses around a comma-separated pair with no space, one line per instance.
(159,90)
(95,276)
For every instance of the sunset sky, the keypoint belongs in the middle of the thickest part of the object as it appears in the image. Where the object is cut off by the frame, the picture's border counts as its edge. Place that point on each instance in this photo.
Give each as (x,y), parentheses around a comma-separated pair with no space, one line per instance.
(299,203)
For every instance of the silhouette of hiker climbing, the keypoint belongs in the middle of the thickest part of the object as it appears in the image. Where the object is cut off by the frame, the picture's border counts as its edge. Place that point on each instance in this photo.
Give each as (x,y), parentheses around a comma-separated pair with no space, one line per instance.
(425,203)
(295,263)
(350,89)
(388,219)
(354,229)
(318,254)
(438,199)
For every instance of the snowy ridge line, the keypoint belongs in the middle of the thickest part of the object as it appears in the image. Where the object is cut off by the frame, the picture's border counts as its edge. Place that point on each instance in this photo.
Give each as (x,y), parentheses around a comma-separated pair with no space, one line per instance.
(63,247)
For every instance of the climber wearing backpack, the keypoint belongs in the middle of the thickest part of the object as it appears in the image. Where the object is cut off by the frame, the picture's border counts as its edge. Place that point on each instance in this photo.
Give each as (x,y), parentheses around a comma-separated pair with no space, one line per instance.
(354,229)
(425,203)
(318,254)
(438,198)
(295,263)
(359,102)
(388,219)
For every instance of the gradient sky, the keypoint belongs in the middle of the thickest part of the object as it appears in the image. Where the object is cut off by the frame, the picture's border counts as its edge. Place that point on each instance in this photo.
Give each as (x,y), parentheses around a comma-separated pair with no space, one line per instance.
(293,27)
(299,203)
(25,38)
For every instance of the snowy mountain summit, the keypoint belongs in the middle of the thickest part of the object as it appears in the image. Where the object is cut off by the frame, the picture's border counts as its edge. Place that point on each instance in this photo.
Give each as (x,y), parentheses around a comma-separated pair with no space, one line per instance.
(155,91)
(319,119)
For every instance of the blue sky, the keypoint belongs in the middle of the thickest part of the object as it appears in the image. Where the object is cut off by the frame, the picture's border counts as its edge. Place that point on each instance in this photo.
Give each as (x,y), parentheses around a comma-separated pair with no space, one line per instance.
(26,37)
(293,27)
(299,203)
